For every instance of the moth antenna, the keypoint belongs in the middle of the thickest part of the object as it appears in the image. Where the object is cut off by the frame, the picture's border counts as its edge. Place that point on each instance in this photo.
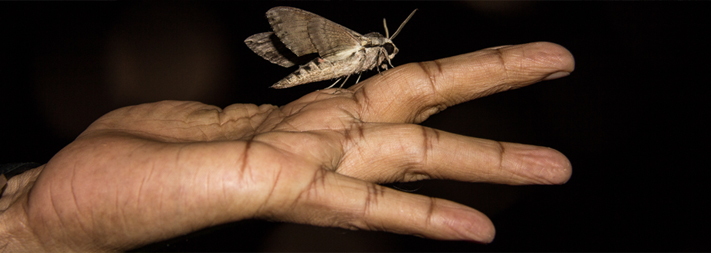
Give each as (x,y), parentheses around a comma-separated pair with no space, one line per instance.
(385,24)
(401,25)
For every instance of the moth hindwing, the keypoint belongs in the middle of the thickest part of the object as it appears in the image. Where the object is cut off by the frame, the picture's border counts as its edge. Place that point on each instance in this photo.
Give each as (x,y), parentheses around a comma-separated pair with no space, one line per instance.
(298,35)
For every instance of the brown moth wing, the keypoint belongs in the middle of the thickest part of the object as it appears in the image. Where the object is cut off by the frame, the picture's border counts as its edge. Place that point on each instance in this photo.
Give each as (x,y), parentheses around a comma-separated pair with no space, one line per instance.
(333,41)
(304,32)
(290,25)
(268,46)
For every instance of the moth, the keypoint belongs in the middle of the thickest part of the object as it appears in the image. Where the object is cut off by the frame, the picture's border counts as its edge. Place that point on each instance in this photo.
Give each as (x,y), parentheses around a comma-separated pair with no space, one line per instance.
(299,35)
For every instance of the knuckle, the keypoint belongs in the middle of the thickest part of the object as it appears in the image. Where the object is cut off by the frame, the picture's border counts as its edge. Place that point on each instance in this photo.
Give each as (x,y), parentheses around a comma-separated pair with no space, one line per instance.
(417,149)
(429,91)
(433,72)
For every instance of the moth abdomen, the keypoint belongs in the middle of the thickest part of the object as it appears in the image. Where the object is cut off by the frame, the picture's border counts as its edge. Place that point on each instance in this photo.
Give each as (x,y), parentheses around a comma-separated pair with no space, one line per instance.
(316,70)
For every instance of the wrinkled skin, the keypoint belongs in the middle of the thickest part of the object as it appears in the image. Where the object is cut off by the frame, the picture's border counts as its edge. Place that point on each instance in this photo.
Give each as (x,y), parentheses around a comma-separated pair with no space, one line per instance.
(149,172)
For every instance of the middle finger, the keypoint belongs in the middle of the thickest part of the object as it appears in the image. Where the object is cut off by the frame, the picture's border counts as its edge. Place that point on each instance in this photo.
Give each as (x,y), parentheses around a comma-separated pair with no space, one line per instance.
(386,153)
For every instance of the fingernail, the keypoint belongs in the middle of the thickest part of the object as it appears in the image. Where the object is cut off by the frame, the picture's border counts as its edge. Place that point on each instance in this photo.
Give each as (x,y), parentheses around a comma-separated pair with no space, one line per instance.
(556,75)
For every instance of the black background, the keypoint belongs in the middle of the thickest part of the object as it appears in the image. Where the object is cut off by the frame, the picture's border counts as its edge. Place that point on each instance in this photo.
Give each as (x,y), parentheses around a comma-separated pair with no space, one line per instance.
(630,118)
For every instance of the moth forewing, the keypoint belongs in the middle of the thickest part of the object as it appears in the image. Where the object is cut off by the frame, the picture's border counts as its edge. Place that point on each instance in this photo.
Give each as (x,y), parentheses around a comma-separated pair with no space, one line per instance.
(341,51)
(343,54)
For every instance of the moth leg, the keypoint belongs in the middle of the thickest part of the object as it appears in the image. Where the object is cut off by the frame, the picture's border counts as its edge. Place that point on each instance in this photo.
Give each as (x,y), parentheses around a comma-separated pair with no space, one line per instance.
(391,64)
(359,74)
(344,82)
(383,66)
(334,83)
(340,87)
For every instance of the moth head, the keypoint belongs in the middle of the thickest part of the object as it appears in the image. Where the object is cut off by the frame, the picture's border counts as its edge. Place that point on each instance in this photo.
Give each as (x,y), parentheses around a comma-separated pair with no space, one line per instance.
(390,49)
(387,49)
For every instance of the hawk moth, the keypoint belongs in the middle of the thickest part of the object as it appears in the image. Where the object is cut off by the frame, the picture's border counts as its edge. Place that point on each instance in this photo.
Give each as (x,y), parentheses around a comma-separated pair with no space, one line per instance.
(298,34)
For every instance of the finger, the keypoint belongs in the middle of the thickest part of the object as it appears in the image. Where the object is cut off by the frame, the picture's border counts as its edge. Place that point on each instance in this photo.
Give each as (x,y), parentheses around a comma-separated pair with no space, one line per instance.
(406,152)
(335,200)
(425,88)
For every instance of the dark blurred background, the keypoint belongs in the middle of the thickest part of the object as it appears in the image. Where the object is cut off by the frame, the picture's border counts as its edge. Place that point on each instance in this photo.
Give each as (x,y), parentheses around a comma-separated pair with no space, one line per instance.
(630,118)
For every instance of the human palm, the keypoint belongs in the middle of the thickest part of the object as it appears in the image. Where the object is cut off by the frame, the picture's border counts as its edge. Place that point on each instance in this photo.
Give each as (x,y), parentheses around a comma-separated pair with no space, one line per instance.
(154,171)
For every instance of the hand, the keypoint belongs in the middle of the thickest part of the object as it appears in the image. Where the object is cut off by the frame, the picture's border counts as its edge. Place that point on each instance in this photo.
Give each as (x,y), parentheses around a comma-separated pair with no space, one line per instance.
(149,172)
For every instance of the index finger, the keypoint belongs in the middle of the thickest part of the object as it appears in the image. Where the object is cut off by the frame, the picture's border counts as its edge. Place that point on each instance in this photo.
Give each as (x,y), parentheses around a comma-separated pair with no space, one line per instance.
(425,88)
